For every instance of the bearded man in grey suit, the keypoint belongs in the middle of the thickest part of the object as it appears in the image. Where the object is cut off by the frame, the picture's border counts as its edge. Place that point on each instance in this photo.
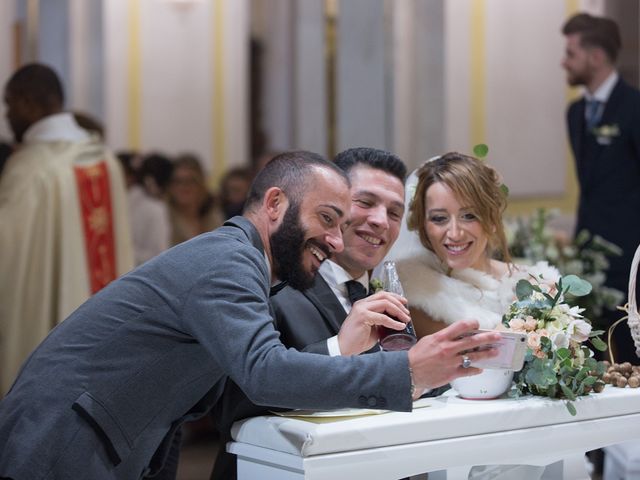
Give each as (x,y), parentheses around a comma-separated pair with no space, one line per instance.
(102,395)
(377,207)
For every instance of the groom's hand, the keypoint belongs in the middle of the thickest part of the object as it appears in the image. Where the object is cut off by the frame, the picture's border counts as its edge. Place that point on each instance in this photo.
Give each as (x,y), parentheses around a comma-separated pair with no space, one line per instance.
(437,359)
(358,332)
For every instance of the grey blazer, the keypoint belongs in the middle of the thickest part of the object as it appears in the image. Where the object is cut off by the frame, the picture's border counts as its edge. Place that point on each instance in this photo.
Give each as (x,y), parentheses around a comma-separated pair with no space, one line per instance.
(102,394)
(304,324)
(305,320)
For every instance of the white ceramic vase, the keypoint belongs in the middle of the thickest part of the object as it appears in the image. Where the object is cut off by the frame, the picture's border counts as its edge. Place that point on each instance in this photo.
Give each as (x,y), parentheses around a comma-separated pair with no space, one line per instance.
(491,383)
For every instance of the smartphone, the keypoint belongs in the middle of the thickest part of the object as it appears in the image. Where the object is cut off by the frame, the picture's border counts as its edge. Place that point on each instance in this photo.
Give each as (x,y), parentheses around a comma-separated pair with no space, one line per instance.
(512,347)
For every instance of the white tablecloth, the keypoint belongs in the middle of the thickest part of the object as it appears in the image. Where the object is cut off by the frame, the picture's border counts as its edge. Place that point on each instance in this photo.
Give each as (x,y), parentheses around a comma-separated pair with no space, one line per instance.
(447,417)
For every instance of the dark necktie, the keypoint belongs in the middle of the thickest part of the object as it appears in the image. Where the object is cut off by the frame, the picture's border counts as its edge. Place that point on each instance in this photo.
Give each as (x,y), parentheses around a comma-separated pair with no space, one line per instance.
(355,291)
(592,113)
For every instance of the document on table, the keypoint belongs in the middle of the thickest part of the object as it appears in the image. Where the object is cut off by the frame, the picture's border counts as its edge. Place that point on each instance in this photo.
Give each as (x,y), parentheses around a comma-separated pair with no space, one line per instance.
(345,413)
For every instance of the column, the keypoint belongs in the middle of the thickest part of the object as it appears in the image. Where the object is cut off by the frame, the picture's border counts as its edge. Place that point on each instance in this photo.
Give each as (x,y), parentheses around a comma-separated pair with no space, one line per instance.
(310,86)
(362,113)
(418,90)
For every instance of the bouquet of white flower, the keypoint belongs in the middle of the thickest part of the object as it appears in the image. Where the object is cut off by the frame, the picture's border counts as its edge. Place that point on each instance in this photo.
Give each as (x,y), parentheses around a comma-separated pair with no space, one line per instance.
(558,363)
(531,239)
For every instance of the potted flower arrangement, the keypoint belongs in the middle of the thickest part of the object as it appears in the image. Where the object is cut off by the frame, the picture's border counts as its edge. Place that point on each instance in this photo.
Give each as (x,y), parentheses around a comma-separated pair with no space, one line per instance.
(559,362)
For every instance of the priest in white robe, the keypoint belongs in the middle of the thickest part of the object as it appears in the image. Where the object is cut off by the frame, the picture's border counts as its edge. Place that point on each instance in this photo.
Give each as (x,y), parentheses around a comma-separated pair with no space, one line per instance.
(64,231)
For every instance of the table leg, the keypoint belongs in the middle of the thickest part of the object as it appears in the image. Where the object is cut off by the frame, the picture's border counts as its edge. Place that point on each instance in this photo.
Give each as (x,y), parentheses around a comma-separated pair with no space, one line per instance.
(575,467)
(570,468)
(437,475)
(457,473)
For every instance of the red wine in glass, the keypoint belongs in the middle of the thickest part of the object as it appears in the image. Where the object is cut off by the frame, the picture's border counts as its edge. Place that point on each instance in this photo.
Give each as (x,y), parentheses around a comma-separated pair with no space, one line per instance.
(393,340)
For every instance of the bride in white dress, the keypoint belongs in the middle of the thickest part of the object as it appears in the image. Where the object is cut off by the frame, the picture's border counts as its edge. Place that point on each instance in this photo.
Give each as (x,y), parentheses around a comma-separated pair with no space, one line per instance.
(453,260)
(452,253)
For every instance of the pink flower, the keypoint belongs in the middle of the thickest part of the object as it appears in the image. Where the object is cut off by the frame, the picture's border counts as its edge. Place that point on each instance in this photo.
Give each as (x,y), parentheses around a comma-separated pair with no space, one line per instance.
(540,354)
(530,323)
(516,324)
(533,340)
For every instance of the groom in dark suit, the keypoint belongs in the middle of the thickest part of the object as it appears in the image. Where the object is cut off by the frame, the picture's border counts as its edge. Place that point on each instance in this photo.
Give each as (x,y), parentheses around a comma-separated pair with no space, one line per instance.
(604,129)
(377,206)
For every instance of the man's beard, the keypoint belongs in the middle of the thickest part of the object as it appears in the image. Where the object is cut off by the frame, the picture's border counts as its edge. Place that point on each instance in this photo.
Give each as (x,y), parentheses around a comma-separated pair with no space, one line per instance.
(577,79)
(287,247)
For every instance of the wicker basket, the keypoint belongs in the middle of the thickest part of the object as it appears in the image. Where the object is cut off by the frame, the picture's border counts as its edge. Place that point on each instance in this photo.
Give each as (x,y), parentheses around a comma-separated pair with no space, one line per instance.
(631,308)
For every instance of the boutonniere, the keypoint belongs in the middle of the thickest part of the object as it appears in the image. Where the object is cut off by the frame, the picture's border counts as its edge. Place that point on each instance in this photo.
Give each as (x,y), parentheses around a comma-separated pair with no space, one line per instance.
(606,133)
(375,285)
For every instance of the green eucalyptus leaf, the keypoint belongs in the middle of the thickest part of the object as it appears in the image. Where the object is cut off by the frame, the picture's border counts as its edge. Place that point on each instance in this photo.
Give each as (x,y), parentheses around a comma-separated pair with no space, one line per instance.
(598,344)
(481,150)
(524,289)
(574,285)
(531,306)
(571,408)
(541,373)
(590,380)
(581,376)
(567,391)
(591,363)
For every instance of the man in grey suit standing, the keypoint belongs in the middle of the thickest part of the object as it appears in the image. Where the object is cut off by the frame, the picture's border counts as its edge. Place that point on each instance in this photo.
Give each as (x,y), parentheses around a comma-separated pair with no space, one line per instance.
(377,207)
(101,397)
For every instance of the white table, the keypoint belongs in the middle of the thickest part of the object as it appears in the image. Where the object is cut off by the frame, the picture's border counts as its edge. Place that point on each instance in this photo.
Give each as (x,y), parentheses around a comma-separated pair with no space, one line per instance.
(449,436)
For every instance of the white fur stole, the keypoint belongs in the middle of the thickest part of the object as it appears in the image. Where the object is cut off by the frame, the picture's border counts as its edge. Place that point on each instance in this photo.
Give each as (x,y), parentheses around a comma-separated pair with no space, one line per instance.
(465,295)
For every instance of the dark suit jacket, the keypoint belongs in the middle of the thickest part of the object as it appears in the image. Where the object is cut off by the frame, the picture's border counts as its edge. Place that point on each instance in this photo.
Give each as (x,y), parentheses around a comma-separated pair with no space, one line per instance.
(101,396)
(608,171)
(305,321)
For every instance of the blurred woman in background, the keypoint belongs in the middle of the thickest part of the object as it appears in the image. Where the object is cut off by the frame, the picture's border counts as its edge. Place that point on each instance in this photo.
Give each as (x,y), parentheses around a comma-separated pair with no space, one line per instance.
(192,208)
(147,179)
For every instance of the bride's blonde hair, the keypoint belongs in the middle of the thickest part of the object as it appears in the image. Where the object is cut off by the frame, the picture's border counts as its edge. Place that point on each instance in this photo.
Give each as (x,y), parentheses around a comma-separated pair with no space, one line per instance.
(475,184)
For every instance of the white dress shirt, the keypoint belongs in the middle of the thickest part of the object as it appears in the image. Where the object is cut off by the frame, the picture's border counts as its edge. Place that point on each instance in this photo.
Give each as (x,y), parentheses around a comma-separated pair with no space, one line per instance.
(602,93)
(336,277)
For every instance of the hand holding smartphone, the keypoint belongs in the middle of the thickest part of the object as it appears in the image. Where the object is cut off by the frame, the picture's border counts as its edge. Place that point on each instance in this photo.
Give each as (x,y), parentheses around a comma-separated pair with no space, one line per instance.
(512,347)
